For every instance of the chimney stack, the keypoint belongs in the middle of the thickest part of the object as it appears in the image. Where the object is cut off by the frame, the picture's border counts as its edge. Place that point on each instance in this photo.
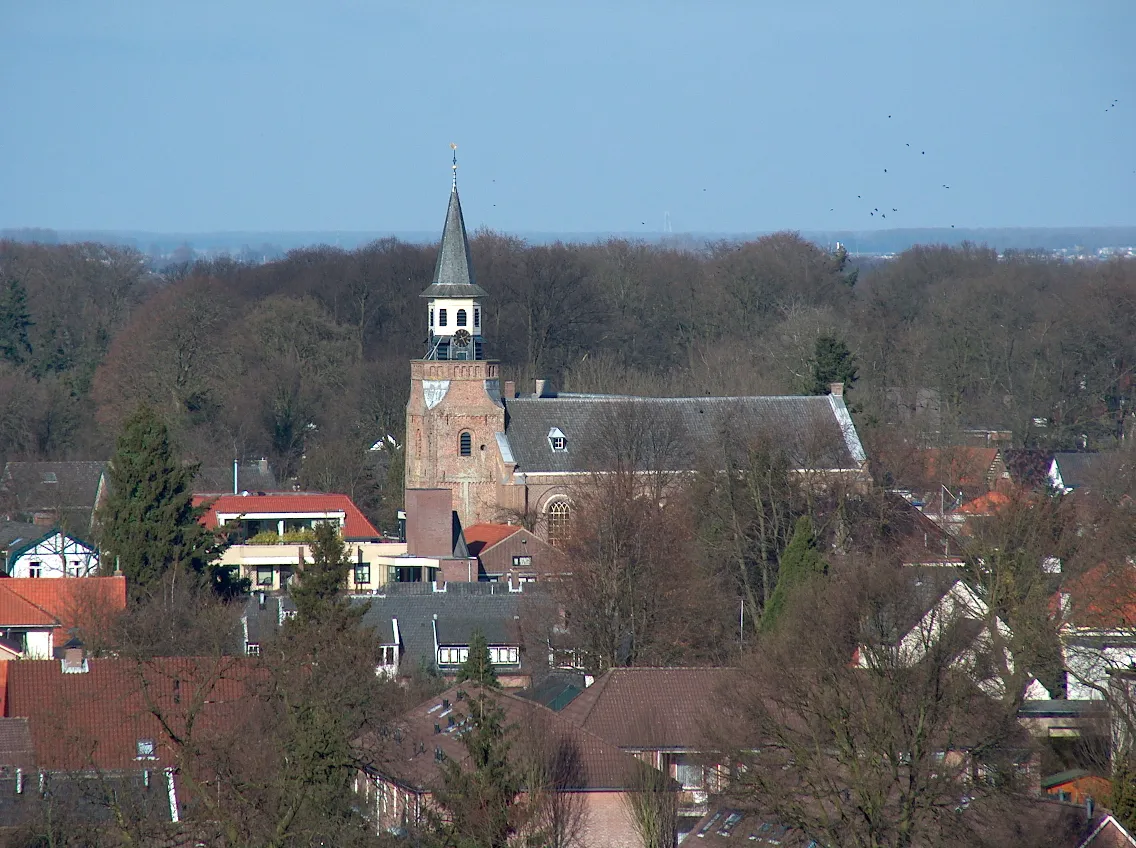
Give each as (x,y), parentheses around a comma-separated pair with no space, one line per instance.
(837,389)
(263,465)
(74,658)
(236,476)
(540,387)
(510,390)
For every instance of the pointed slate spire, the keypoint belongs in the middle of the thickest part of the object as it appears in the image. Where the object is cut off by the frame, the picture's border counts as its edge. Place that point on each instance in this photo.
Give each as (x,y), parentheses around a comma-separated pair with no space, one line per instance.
(453,273)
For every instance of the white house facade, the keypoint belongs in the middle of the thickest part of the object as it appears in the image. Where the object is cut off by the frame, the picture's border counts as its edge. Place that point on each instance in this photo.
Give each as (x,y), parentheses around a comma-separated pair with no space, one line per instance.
(55,554)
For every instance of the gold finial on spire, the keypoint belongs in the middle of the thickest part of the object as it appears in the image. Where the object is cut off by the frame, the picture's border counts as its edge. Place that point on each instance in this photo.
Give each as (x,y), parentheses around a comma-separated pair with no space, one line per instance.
(454,148)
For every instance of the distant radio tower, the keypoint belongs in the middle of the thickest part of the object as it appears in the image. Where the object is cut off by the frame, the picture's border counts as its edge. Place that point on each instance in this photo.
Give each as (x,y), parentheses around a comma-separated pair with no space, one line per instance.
(667,223)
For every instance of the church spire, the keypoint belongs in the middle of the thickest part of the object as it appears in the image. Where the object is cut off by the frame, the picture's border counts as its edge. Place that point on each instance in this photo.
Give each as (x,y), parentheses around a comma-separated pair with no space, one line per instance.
(453,272)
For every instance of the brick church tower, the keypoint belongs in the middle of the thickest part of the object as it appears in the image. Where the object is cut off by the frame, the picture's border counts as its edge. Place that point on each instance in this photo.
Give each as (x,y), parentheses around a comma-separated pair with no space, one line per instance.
(455,408)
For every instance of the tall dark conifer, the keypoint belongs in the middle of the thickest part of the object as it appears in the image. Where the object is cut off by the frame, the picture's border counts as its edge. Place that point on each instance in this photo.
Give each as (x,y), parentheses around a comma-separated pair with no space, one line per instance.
(148,525)
(319,589)
(15,320)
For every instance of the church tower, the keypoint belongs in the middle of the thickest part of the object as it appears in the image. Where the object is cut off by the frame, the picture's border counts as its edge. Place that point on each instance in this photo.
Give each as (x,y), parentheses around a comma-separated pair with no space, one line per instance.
(455,408)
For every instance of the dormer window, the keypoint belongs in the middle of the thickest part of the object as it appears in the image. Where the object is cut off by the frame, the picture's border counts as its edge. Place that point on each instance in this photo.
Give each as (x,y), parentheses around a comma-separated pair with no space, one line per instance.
(461,318)
(441,317)
(557,440)
(146,749)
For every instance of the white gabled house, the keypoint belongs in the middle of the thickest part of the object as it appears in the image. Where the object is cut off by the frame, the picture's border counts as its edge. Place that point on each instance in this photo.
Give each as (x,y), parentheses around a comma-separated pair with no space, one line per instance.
(55,554)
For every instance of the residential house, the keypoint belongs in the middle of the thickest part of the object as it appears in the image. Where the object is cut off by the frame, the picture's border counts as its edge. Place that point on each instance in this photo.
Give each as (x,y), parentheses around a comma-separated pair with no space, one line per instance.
(271,535)
(508,553)
(422,628)
(1097,615)
(1076,470)
(940,608)
(1077,786)
(252,477)
(658,715)
(263,616)
(16,534)
(594,779)
(64,494)
(53,554)
(94,717)
(39,616)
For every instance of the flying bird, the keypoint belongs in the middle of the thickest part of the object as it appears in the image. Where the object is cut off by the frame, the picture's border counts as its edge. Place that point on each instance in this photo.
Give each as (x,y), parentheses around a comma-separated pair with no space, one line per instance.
(905,144)
(893,209)
(885,170)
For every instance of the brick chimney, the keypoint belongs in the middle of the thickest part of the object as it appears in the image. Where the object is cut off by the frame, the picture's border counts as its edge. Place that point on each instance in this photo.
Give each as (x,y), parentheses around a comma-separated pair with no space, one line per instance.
(836,389)
(510,389)
(540,387)
(429,522)
(74,658)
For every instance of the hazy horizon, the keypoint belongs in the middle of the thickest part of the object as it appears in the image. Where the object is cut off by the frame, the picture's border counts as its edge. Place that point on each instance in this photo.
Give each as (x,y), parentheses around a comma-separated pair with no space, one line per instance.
(723,117)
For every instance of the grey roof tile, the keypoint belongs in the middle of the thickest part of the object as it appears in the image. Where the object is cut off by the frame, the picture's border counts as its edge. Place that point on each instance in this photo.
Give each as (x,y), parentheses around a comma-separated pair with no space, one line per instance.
(28,487)
(453,273)
(808,426)
(491,608)
(214,480)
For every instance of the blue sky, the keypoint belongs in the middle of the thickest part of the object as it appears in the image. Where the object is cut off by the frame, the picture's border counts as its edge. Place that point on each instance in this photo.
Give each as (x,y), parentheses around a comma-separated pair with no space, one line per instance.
(570,117)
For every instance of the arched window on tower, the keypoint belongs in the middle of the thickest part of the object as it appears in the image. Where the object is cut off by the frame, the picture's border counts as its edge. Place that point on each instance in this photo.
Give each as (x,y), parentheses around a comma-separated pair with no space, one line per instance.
(431,317)
(559,523)
(477,317)
(465,444)
(461,317)
(441,317)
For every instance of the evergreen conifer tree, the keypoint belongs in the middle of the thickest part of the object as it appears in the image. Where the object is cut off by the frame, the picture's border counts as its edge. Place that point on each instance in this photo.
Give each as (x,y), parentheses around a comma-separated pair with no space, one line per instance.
(319,590)
(148,525)
(832,362)
(801,562)
(1122,800)
(478,667)
(15,320)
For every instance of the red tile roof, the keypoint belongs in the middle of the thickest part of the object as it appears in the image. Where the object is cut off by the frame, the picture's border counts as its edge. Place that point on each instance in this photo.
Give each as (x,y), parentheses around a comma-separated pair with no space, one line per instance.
(1103,598)
(480,537)
(650,708)
(75,602)
(17,611)
(96,718)
(987,504)
(356,525)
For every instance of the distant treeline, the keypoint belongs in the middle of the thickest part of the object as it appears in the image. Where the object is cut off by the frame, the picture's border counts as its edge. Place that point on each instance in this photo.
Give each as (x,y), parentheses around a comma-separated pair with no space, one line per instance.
(304,360)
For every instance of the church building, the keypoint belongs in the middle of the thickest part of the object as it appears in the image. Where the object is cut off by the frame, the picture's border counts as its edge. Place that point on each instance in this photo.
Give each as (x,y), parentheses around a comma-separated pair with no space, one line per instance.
(505,454)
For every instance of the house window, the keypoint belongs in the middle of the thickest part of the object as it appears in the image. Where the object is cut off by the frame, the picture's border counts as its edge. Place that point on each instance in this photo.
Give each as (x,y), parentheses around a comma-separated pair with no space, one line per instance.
(461,318)
(503,656)
(689,775)
(477,316)
(35,569)
(388,655)
(452,656)
(431,317)
(363,574)
(252,649)
(522,561)
(559,519)
(264,575)
(145,749)
(465,444)
(441,317)
(556,439)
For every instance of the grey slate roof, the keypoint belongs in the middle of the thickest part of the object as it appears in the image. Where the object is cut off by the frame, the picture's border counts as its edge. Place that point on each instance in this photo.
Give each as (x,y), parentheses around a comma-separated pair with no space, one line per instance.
(1077,469)
(453,273)
(28,487)
(216,480)
(15,533)
(810,427)
(262,625)
(489,607)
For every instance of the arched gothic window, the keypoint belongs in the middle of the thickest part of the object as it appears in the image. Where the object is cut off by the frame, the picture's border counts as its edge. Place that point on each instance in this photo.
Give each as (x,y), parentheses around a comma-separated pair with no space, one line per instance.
(559,521)
(465,444)
(461,317)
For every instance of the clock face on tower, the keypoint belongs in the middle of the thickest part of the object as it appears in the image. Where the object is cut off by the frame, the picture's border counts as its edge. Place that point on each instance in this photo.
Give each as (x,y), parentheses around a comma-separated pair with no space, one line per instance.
(461,338)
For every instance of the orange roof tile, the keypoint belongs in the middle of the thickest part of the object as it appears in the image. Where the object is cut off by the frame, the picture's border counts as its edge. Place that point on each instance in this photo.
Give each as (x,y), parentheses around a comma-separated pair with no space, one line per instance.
(356,525)
(987,504)
(959,466)
(1103,598)
(479,537)
(72,601)
(16,611)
